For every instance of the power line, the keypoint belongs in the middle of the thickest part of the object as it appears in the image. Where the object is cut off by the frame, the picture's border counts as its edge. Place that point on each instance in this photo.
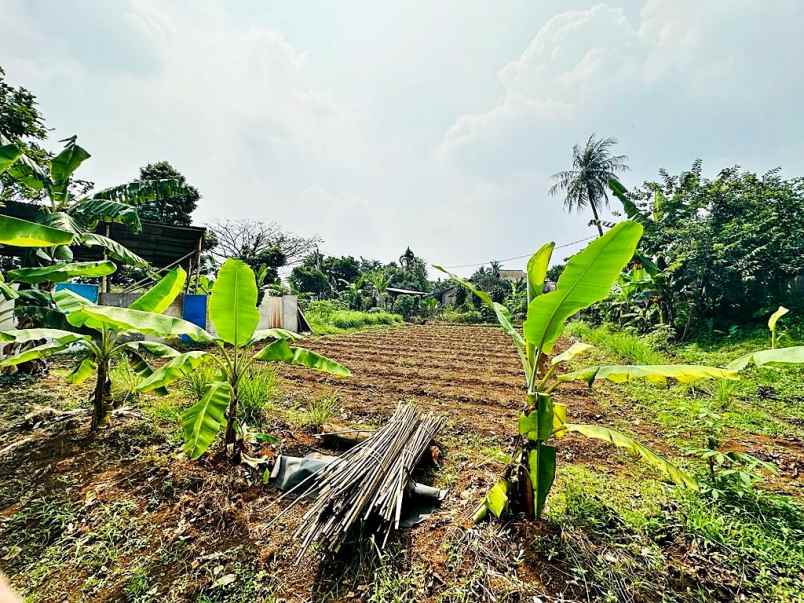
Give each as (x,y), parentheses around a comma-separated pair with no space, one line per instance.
(520,257)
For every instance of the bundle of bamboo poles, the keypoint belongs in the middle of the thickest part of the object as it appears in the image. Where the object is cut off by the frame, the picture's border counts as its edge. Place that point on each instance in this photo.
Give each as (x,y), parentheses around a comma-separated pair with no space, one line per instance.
(367,484)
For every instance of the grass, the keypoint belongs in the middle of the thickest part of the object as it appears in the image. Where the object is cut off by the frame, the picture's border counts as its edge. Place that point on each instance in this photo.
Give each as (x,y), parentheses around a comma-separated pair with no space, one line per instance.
(618,536)
(326,318)
(318,412)
(624,345)
(256,390)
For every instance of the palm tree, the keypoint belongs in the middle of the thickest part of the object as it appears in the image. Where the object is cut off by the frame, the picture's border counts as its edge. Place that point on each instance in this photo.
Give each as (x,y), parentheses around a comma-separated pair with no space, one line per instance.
(584,184)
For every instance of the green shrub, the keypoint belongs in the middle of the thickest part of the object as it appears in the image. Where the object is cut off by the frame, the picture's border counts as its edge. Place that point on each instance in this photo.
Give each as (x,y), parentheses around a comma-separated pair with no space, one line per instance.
(468,317)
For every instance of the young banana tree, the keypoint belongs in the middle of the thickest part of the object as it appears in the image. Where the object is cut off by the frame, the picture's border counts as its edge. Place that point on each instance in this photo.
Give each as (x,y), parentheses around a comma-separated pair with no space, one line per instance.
(233,311)
(586,279)
(103,334)
(80,215)
(774,356)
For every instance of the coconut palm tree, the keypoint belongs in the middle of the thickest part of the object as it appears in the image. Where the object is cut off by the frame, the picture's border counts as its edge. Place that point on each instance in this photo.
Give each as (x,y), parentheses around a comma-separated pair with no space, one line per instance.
(584,184)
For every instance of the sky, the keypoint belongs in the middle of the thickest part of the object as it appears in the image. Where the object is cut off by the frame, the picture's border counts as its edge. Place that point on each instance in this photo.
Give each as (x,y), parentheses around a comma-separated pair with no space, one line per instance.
(434,125)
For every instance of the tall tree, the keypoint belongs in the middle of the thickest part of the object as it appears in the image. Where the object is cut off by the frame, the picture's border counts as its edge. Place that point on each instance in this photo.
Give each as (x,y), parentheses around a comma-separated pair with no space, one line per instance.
(585,183)
(23,124)
(260,244)
(176,209)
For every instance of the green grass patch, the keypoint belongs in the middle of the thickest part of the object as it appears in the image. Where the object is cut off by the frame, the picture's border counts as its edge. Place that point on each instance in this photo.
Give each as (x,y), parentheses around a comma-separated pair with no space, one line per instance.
(625,346)
(326,318)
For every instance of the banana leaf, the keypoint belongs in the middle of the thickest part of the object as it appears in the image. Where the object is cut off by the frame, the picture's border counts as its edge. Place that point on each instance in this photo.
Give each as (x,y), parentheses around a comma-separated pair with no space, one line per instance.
(93,210)
(657,373)
(176,368)
(575,350)
(22,233)
(137,321)
(9,153)
(82,371)
(263,334)
(586,279)
(537,270)
(41,351)
(280,351)
(233,304)
(776,356)
(57,273)
(119,252)
(159,297)
(621,440)
(204,419)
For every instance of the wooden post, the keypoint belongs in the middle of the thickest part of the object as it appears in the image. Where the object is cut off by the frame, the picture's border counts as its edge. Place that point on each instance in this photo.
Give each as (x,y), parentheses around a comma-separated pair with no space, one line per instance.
(198,260)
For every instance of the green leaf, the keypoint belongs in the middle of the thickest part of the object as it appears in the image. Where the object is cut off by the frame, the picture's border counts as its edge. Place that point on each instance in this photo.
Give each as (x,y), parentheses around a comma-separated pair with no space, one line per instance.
(204,419)
(646,454)
(83,370)
(7,292)
(542,469)
(9,153)
(63,165)
(497,498)
(125,319)
(93,210)
(791,355)
(159,297)
(40,351)
(176,368)
(631,210)
(153,348)
(69,301)
(657,373)
(233,304)
(575,350)
(119,252)
(263,334)
(586,279)
(57,273)
(537,270)
(280,351)
(27,335)
(143,191)
(22,233)
(781,311)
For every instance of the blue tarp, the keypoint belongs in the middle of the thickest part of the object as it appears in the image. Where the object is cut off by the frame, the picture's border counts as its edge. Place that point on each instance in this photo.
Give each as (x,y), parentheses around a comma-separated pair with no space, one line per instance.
(86,291)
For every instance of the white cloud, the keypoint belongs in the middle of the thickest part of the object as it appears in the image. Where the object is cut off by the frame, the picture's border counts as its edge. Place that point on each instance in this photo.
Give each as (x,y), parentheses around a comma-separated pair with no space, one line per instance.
(690,79)
(379,126)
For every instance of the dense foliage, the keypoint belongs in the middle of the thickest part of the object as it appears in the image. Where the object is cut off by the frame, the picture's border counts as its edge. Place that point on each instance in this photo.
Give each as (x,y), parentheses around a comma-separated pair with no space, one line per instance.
(176,209)
(726,250)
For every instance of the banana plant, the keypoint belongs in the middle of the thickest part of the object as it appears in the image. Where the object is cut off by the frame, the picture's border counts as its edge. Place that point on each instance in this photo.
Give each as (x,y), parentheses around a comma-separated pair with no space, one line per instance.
(80,215)
(587,279)
(103,334)
(233,311)
(774,356)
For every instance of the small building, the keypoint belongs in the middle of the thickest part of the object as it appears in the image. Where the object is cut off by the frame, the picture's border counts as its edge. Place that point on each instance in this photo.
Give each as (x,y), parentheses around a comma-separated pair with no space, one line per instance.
(512,276)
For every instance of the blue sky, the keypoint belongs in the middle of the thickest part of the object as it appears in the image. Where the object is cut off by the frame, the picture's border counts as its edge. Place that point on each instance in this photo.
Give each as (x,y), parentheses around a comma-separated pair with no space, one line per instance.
(379,125)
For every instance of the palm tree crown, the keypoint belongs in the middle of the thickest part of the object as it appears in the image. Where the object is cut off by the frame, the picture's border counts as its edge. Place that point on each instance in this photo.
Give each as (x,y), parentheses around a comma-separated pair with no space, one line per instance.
(584,184)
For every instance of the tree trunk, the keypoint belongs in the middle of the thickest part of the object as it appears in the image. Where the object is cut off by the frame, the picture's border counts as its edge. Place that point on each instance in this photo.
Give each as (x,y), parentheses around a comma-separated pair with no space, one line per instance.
(231,434)
(101,398)
(597,218)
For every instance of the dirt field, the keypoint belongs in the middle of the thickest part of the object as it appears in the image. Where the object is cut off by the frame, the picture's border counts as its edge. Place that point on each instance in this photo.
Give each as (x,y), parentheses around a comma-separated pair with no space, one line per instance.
(125,516)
